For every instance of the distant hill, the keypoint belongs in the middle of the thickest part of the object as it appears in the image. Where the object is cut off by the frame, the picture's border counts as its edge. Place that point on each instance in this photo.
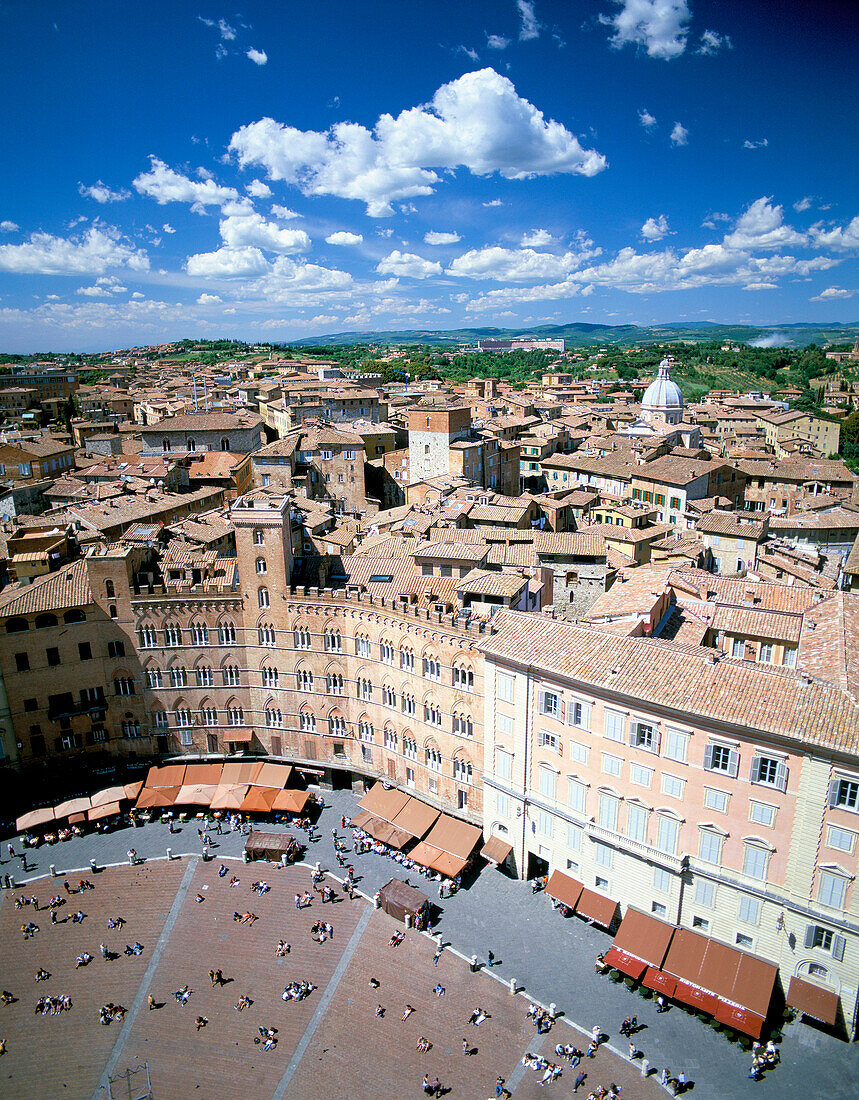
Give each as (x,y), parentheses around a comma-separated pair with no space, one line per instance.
(581,334)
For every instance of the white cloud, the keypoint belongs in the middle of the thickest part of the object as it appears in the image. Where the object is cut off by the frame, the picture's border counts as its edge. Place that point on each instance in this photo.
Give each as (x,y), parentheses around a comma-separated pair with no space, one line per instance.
(164,185)
(497,42)
(221,51)
(477,122)
(646,119)
(712,42)
(470,52)
(227,32)
(654,229)
(529,26)
(494,202)
(137,295)
(259,57)
(227,263)
(407,264)
(92,254)
(344,238)
(762,144)
(679,135)
(762,226)
(167,228)
(208,300)
(103,287)
(537,238)
(803,204)
(832,292)
(441,238)
(8,227)
(243,230)
(517,265)
(258,190)
(839,238)
(284,213)
(102,193)
(661,26)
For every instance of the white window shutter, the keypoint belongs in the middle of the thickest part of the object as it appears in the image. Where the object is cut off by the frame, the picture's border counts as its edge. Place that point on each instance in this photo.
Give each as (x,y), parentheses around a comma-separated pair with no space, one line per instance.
(809,935)
(755,772)
(781,776)
(833,792)
(734,763)
(633,733)
(838,944)
(708,757)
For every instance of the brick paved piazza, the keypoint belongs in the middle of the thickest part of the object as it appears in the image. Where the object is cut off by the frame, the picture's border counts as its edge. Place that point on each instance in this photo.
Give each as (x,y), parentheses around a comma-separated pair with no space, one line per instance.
(329,1044)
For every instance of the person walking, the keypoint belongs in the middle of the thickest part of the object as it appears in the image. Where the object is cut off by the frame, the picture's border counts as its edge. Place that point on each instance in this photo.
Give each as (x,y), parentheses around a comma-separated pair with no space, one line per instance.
(490,960)
(436,957)
(581,1077)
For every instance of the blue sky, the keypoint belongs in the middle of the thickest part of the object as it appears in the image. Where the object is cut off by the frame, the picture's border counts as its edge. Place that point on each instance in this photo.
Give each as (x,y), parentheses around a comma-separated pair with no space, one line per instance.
(285,170)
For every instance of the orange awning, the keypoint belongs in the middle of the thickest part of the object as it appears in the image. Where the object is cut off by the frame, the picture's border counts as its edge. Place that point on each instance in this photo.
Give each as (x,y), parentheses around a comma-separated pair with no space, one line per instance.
(108,795)
(196,794)
(157,797)
(258,800)
(596,907)
(203,773)
(229,796)
(444,862)
(626,964)
(564,889)
(696,997)
(496,850)
(170,775)
(274,775)
(76,819)
(741,1019)
(813,1000)
(35,818)
(132,790)
(642,938)
(238,735)
(660,982)
(456,837)
(292,802)
(240,771)
(72,806)
(99,812)
(383,802)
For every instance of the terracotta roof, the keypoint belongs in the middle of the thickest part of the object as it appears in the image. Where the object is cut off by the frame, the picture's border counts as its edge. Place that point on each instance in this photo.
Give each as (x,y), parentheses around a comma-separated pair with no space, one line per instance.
(68,587)
(829,646)
(485,582)
(766,595)
(754,623)
(729,523)
(683,679)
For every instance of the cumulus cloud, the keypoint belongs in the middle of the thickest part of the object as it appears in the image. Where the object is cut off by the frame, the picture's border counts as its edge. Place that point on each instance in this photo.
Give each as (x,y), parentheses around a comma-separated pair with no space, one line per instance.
(344,238)
(102,193)
(841,238)
(646,119)
(497,42)
(98,250)
(103,287)
(654,229)
(284,213)
(259,57)
(529,25)
(477,122)
(661,26)
(167,228)
(537,238)
(831,293)
(494,202)
(762,144)
(208,300)
(258,190)
(679,135)
(803,204)
(242,230)
(409,265)
(8,227)
(711,42)
(227,263)
(441,238)
(164,185)
(517,265)
(762,226)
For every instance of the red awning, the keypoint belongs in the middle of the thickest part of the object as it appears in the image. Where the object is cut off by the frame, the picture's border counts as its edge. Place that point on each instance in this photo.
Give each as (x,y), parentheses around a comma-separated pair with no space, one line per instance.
(813,1000)
(564,889)
(697,998)
(626,964)
(643,937)
(596,907)
(660,982)
(741,1019)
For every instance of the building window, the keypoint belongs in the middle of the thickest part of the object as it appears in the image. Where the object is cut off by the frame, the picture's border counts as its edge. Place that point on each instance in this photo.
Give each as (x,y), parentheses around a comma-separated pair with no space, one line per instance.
(302,638)
(261,566)
(410,749)
(667,835)
(432,668)
(769,771)
(266,635)
(842,839)
(765,653)
(178,677)
(391,740)
(609,806)
(844,794)
(463,678)
(410,777)
(749,910)
(432,714)
(579,752)
(160,719)
(676,745)
(199,634)
(462,725)
(114,649)
(738,647)
(333,642)
(386,652)
(716,800)
(407,660)
(226,634)
(755,862)
(672,786)
(710,847)
(549,740)
(148,637)
(367,733)
(636,822)
(204,676)
(705,893)
(235,716)
(183,716)
(831,889)
(742,940)
(389,697)
(131,728)
(304,679)
(362,645)
(230,674)
(53,656)
(643,735)
(658,908)
(504,687)
(721,758)
(334,683)
(611,765)
(548,782)
(643,777)
(270,676)
(462,771)
(153,677)
(209,716)
(124,686)
(273,718)
(762,814)
(577,793)
(259,537)
(550,703)
(503,764)
(337,726)
(579,714)
(825,940)
(262,597)
(172,635)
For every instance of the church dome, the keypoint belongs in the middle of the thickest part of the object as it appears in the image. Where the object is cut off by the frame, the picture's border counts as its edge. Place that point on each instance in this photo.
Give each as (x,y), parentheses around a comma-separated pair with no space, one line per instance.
(662,393)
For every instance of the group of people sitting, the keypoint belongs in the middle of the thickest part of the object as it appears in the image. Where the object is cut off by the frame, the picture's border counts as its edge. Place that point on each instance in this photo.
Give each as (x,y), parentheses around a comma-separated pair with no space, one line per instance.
(763,1058)
(550,1070)
(297,991)
(53,1006)
(542,1019)
(110,1012)
(321,931)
